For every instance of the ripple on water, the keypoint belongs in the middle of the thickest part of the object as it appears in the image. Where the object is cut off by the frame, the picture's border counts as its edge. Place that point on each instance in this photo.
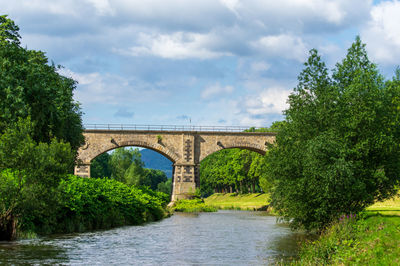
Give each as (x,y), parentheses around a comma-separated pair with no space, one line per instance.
(222,238)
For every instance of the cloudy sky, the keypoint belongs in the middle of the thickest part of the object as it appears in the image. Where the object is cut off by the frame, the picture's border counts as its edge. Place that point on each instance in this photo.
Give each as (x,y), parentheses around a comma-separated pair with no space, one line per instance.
(205,62)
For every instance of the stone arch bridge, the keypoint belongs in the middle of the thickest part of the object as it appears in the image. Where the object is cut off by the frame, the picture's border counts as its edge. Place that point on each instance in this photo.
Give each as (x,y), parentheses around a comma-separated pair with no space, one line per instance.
(186,147)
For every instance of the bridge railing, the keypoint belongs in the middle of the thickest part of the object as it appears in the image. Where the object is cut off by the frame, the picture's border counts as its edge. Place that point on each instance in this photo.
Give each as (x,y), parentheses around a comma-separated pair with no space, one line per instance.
(166,127)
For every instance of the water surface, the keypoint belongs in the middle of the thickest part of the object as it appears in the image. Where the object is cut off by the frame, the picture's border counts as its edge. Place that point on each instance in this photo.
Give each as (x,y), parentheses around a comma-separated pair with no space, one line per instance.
(222,238)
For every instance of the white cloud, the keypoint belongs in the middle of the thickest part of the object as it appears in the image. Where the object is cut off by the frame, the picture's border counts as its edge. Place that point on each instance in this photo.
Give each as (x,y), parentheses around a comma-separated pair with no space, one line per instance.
(260,66)
(382,33)
(283,46)
(127,51)
(216,90)
(271,100)
(96,88)
(263,108)
(103,7)
(179,45)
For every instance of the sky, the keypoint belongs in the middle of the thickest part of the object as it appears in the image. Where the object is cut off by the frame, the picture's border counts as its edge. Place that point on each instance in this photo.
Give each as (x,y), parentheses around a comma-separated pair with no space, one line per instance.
(198,62)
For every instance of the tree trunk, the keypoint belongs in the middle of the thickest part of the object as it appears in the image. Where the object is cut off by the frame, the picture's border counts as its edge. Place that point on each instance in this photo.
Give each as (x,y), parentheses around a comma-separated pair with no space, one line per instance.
(8,228)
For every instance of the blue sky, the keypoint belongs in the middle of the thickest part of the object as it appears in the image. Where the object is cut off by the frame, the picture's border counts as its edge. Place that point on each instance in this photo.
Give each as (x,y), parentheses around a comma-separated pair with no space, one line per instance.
(205,62)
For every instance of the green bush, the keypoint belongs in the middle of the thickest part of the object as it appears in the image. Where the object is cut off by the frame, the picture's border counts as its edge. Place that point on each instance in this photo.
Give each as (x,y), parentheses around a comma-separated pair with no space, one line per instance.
(88,204)
(193,205)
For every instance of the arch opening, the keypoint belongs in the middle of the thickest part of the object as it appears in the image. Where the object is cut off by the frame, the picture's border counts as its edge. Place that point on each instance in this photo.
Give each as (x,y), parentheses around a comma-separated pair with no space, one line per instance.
(135,165)
(233,169)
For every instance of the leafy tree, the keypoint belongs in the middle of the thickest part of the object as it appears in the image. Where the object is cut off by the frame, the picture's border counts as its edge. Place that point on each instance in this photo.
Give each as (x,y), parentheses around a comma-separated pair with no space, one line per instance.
(230,170)
(165,187)
(155,177)
(136,175)
(120,160)
(29,86)
(337,150)
(29,175)
(100,166)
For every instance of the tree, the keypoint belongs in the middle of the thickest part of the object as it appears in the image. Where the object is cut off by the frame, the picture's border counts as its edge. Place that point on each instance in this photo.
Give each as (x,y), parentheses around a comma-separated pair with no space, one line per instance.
(40,131)
(120,160)
(29,86)
(165,187)
(230,170)
(337,150)
(155,177)
(100,166)
(29,175)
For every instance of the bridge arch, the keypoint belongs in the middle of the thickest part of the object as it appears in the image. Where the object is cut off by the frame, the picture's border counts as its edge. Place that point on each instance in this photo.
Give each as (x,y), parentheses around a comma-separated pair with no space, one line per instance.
(240,145)
(136,143)
(185,148)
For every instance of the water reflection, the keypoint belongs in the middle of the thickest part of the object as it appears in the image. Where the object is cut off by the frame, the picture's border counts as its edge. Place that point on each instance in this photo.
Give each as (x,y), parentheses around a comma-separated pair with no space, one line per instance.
(222,238)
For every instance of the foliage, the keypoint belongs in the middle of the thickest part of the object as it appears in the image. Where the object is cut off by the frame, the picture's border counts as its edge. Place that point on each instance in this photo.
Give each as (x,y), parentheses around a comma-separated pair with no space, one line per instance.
(231,170)
(337,151)
(120,160)
(29,175)
(126,165)
(155,177)
(29,86)
(100,166)
(275,127)
(350,241)
(165,187)
(254,201)
(192,205)
(88,204)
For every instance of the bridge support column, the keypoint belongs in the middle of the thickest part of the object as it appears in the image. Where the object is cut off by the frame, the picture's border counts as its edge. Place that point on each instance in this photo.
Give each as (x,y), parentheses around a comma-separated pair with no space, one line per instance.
(82,169)
(185,181)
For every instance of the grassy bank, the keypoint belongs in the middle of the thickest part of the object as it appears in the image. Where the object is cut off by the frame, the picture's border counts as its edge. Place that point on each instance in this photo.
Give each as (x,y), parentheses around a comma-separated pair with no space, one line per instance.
(193,205)
(369,241)
(235,201)
(388,207)
(372,239)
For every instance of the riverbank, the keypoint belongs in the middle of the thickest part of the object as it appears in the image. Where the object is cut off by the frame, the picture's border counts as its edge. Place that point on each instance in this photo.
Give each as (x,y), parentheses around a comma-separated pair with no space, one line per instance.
(86,204)
(234,201)
(373,239)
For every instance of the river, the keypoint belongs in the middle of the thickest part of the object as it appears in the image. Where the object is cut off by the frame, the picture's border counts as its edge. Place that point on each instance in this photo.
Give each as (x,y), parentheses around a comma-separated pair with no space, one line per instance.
(221,238)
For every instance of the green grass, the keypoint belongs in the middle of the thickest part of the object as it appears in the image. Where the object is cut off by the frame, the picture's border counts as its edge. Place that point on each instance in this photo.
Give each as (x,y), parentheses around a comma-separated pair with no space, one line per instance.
(372,239)
(238,201)
(193,205)
(388,207)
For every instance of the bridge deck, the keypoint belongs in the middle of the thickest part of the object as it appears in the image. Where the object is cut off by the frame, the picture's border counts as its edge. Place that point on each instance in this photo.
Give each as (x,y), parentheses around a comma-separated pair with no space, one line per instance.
(183,128)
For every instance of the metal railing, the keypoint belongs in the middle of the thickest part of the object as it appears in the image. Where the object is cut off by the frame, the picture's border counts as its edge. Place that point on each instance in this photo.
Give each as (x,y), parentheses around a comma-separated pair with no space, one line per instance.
(166,127)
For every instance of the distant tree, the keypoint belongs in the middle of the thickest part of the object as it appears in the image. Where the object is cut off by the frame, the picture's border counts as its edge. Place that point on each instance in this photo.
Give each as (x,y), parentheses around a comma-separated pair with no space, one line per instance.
(121,160)
(29,86)
(338,148)
(155,177)
(230,170)
(165,187)
(100,166)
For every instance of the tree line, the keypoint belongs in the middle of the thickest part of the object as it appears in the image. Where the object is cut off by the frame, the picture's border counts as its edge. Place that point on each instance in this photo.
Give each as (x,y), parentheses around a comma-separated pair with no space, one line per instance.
(235,170)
